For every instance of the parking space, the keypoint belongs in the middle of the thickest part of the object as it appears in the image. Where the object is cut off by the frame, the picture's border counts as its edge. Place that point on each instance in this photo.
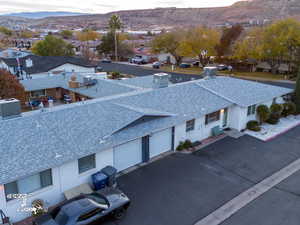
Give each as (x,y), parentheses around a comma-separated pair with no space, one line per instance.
(253,159)
(177,190)
(181,189)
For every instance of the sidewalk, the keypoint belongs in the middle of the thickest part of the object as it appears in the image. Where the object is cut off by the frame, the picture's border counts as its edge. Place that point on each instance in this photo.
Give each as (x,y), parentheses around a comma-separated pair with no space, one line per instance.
(234,205)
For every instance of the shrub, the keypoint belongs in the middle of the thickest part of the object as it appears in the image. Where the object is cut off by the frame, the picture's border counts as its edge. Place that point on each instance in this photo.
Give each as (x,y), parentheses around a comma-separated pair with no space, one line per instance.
(289,108)
(187,144)
(180,146)
(253,125)
(116,75)
(263,113)
(274,118)
(184,145)
(276,108)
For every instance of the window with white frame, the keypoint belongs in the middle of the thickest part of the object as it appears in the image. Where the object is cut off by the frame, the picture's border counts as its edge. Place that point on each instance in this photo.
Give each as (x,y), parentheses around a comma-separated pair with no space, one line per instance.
(212,117)
(28,184)
(86,163)
(251,110)
(190,125)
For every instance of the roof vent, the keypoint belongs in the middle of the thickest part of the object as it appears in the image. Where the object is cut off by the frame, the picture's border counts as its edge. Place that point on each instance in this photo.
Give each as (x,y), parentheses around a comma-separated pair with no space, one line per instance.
(73,83)
(160,80)
(10,108)
(89,81)
(210,72)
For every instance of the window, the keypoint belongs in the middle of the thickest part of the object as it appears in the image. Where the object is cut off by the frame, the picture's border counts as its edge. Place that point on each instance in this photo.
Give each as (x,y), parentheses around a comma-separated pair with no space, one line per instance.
(212,117)
(38,93)
(251,110)
(28,184)
(190,125)
(86,163)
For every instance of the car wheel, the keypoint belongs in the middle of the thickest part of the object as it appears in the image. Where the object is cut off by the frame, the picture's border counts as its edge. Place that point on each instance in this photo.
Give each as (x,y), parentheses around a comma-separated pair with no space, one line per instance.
(119,213)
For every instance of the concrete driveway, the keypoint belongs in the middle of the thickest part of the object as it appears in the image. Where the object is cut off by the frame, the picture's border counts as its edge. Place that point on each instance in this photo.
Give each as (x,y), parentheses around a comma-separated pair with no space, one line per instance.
(182,189)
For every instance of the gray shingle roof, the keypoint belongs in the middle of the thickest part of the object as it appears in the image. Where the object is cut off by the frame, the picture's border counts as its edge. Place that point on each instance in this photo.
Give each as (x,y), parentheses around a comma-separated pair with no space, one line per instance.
(42,140)
(102,88)
(242,92)
(32,142)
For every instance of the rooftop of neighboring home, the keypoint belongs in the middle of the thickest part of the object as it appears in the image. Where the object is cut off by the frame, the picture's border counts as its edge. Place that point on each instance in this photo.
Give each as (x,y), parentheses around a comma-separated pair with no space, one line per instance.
(59,135)
(101,88)
(12,53)
(41,64)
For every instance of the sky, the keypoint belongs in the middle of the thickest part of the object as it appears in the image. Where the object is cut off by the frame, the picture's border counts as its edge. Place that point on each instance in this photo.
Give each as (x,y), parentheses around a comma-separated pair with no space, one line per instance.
(102,6)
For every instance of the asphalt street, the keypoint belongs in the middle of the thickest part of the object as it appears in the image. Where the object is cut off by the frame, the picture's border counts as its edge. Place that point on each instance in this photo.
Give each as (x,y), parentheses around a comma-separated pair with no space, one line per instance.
(182,189)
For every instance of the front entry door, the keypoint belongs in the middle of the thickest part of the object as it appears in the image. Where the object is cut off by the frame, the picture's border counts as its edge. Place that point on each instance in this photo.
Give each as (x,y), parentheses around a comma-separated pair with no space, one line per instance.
(225,117)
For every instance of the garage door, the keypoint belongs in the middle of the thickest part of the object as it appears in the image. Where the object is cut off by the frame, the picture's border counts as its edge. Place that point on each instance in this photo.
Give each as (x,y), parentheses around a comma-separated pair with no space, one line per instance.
(127,155)
(160,142)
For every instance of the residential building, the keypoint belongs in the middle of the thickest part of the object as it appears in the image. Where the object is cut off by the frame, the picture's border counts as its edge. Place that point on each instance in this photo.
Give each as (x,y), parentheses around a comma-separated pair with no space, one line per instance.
(32,65)
(44,153)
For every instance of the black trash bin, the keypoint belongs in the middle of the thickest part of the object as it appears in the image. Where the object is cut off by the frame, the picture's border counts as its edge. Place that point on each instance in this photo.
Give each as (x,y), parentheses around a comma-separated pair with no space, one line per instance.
(111,173)
(100,180)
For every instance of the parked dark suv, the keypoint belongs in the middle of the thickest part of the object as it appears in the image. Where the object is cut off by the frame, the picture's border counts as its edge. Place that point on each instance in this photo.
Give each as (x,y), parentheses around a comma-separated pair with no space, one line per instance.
(87,208)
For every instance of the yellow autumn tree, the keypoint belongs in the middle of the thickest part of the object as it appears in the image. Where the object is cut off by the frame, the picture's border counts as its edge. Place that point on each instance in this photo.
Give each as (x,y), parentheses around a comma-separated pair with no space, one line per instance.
(201,42)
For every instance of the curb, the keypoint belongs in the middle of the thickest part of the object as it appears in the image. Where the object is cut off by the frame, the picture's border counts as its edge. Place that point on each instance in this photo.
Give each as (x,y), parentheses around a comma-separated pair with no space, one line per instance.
(283,132)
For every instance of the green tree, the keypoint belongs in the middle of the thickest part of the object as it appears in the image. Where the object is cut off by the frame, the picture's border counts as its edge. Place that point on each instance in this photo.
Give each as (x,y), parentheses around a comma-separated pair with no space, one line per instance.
(169,42)
(66,34)
(201,42)
(10,87)
(53,46)
(297,93)
(107,46)
(115,24)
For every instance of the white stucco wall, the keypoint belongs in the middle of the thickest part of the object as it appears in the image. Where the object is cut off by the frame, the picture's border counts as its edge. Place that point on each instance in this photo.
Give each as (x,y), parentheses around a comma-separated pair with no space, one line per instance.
(239,114)
(201,131)
(64,178)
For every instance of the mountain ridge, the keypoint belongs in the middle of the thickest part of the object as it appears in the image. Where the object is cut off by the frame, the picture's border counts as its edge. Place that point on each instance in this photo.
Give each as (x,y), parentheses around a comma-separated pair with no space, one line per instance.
(43,14)
(149,19)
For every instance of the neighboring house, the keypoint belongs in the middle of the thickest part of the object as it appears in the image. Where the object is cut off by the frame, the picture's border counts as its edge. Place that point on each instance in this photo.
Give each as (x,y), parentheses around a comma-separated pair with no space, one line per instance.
(283,68)
(32,65)
(45,153)
(56,86)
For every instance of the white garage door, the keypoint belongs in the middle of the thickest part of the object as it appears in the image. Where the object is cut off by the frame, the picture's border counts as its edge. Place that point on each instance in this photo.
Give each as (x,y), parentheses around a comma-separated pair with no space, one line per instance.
(127,155)
(160,142)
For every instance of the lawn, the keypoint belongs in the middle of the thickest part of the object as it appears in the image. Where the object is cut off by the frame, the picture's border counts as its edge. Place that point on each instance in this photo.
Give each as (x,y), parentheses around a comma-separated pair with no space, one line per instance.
(247,75)
(256,75)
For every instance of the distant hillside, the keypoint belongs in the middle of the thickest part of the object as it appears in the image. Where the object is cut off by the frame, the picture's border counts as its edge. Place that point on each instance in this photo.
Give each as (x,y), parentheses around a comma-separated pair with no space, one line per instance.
(40,15)
(241,12)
